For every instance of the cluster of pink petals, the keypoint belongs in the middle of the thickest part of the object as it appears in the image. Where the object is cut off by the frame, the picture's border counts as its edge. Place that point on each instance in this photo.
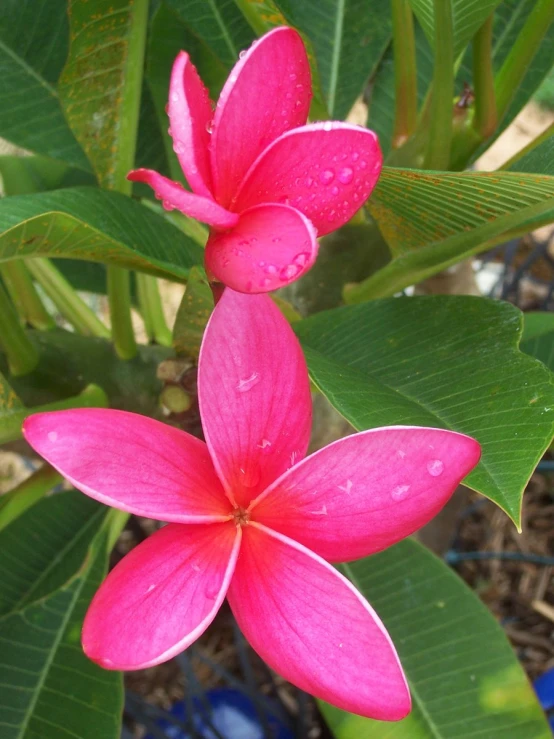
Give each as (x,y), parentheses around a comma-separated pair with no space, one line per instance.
(265,182)
(252,518)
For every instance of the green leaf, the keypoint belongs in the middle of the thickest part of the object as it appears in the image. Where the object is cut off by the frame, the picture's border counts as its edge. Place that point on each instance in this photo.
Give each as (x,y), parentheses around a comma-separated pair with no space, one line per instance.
(9,401)
(464,678)
(441,361)
(87,223)
(219,24)
(538,159)
(538,337)
(467,15)
(349,37)
(193,314)
(101,82)
(45,546)
(51,690)
(434,219)
(33,47)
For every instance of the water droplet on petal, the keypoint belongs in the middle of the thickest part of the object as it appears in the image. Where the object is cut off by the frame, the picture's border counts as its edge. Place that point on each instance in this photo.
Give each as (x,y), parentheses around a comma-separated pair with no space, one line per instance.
(435,467)
(289,272)
(288,95)
(328,126)
(210,126)
(355,156)
(334,190)
(212,590)
(292,77)
(266,282)
(400,492)
(271,269)
(174,97)
(248,382)
(363,164)
(167,205)
(327,176)
(52,436)
(345,175)
(309,181)
(242,54)
(301,260)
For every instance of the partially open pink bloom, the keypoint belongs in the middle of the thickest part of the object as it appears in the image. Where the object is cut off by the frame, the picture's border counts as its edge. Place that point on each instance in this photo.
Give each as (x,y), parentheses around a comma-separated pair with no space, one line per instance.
(265,182)
(252,518)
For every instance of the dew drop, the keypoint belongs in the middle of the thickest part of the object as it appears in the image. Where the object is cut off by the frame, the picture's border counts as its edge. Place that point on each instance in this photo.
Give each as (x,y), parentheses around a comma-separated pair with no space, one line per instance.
(435,467)
(210,126)
(327,176)
(265,282)
(271,269)
(167,205)
(301,260)
(174,97)
(288,95)
(248,383)
(363,164)
(334,190)
(400,492)
(178,147)
(345,175)
(52,436)
(292,77)
(328,126)
(289,272)
(355,156)
(309,181)
(211,591)
(242,54)
(150,588)
(331,215)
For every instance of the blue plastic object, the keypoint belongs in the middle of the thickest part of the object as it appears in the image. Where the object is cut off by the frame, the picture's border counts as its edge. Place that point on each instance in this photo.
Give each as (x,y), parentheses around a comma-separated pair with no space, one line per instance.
(231,713)
(544,688)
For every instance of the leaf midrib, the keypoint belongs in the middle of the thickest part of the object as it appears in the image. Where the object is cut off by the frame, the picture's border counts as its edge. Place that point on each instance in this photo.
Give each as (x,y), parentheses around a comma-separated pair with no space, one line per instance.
(335,58)
(29,70)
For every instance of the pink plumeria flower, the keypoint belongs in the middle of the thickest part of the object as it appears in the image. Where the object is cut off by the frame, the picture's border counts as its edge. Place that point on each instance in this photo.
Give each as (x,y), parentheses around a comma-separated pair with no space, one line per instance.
(252,518)
(267,184)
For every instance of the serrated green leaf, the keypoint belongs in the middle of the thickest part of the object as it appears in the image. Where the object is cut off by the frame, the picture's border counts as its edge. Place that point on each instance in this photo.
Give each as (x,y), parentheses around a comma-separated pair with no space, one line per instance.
(464,678)
(51,690)
(220,25)
(33,47)
(87,223)
(538,337)
(431,220)
(43,548)
(101,81)
(467,17)
(349,37)
(441,361)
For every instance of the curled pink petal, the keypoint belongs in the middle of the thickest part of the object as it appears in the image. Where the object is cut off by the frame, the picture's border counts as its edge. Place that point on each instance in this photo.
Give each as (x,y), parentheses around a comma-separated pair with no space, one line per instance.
(174,197)
(161,597)
(131,462)
(190,114)
(325,170)
(254,394)
(365,492)
(271,246)
(314,628)
(268,92)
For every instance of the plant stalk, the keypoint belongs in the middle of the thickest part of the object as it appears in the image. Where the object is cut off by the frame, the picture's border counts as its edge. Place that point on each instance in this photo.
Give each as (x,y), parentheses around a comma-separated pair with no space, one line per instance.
(486,118)
(66,300)
(520,57)
(151,309)
(27,493)
(440,124)
(21,354)
(19,284)
(405,72)
(91,397)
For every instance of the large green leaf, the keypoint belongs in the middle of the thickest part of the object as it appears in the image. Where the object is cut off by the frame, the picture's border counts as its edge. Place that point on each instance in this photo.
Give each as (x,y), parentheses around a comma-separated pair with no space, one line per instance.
(464,678)
(442,361)
(349,37)
(101,82)
(434,219)
(538,159)
(219,23)
(88,223)
(43,548)
(50,689)
(33,47)
(538,337)
(467,17)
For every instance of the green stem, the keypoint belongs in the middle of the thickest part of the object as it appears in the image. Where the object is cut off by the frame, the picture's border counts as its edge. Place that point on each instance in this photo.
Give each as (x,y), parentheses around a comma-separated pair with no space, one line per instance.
(66,300)
(91,397)
(27,493)
(151,309)
(486,119)
(21,354)
(405,72)
(520,57)
(440,124)
(119,283)
(19,284)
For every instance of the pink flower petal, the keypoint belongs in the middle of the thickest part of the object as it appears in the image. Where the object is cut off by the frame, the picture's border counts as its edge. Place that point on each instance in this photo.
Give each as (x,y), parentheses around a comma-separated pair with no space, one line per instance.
(325,170)
(254,394)
(161,597)
(268,92)
(271,246)
(190,114)
(131,462)
(363,493)
(313,627)
(174,196)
